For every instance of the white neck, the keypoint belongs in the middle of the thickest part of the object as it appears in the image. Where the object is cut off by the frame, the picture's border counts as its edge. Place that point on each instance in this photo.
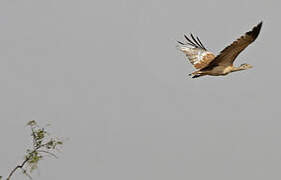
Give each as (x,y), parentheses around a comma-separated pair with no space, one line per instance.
(237,69)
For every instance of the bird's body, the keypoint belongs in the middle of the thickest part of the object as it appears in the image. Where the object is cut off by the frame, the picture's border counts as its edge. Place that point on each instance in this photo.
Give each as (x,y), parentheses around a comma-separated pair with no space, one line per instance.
(209,64)
(220,70)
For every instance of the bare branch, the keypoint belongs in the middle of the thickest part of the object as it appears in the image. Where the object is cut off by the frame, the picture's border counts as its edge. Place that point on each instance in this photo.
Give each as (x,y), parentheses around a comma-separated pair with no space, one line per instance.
(17,167)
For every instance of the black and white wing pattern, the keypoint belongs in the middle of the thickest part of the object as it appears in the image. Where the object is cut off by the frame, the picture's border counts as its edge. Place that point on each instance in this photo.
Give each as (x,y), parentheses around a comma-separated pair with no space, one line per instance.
(196,52)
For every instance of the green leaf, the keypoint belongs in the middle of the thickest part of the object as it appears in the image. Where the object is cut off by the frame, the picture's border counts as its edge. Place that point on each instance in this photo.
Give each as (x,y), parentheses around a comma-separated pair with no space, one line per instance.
(60,142)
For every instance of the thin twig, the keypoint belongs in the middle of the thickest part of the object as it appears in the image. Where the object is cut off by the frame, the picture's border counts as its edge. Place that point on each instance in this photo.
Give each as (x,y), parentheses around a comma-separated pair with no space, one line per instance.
(25,173)
(52,154)
(32,157)
(18,167)
(23,163)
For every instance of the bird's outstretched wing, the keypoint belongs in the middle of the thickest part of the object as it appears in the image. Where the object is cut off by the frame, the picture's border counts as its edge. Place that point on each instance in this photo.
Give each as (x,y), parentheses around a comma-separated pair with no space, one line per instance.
(228,54)
(196,52)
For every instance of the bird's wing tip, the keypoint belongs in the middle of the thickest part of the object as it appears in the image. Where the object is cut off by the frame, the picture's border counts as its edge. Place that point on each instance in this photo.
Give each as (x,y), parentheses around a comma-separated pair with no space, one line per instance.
(260,24)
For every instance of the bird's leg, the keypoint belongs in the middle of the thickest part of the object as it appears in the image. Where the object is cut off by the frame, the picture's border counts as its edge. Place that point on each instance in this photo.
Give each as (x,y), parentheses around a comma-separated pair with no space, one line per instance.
(195,73)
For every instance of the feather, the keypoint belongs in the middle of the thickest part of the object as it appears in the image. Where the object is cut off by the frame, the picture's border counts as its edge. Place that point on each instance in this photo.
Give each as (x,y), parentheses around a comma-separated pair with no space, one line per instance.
(201,43)
(229,54)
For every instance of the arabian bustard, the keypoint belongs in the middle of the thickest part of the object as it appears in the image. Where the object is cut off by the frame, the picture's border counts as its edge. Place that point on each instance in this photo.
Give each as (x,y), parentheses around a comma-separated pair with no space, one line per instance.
(209,64)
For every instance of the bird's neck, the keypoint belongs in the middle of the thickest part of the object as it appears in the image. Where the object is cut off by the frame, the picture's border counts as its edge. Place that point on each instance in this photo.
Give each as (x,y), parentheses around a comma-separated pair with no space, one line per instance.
(234,69)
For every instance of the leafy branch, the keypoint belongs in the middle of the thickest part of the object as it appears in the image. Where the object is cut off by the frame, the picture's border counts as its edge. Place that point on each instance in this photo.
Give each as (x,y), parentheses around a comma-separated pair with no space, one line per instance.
(42,144)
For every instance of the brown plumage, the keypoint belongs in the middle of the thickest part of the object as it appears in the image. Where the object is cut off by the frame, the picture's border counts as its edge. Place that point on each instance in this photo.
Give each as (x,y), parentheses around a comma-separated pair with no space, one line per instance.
(209,64)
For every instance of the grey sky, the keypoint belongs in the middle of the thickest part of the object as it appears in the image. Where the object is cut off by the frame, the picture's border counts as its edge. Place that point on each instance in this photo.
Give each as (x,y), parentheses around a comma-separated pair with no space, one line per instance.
(107,75)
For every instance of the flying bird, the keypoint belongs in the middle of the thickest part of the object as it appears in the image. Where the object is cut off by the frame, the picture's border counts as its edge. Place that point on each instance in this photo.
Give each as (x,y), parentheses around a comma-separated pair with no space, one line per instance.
(207,63)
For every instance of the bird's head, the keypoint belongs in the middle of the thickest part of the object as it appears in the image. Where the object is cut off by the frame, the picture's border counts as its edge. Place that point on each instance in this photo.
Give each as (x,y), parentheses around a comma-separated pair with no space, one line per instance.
(245,66)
